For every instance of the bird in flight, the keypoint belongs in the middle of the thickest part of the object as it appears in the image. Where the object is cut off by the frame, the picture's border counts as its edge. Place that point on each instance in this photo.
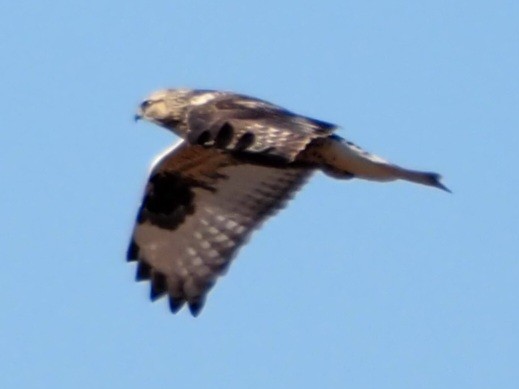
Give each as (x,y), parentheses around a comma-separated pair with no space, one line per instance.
(239,160)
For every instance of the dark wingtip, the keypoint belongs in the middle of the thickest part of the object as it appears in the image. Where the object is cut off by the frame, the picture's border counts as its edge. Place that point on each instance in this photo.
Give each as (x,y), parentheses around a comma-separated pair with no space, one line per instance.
(175,304)
(444,188)
(143,271)
(159,285)
(195,307)
(132,254)
(435,180)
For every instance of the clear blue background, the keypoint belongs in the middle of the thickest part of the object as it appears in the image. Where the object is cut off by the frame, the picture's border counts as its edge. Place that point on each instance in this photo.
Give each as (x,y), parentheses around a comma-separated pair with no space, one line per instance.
(356,284)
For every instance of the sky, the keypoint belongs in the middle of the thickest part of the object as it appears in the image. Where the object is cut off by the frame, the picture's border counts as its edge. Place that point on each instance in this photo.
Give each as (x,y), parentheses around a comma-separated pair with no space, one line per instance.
(356,284)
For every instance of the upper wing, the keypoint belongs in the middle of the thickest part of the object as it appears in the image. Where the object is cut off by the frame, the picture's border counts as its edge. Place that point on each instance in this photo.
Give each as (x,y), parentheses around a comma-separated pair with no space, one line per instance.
(236,122)
(200,206)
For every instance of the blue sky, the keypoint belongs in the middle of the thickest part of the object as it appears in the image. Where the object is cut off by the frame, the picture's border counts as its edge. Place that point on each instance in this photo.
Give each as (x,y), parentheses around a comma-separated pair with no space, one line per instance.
(355,284)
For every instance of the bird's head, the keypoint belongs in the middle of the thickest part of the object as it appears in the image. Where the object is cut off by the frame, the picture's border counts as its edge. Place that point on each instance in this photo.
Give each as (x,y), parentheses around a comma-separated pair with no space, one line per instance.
(165,107)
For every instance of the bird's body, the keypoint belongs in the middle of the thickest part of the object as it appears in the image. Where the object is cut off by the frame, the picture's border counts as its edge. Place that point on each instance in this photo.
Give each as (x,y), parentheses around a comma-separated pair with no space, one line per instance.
(240,159)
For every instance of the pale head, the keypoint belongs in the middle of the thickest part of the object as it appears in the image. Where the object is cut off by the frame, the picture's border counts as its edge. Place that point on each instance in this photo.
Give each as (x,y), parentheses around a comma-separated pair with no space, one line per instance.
(165,107)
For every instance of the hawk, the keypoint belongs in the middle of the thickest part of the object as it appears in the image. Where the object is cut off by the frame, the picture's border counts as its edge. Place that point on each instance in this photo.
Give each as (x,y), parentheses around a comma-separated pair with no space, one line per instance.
(239,161)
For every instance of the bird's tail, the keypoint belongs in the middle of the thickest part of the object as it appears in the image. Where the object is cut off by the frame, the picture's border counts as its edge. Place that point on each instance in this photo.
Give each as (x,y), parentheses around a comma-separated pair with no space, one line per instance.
(341,158)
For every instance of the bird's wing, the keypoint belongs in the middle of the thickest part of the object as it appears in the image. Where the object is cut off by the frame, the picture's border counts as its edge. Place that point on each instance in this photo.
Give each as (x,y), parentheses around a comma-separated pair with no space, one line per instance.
(240,123)
(200,205)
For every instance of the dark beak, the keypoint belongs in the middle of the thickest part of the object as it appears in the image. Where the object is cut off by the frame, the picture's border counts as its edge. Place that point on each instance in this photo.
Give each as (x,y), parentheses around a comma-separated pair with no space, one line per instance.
(137,117)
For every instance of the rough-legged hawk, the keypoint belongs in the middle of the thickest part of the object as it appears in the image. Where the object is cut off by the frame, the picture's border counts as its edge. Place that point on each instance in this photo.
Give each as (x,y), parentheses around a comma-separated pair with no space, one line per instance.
(239,161)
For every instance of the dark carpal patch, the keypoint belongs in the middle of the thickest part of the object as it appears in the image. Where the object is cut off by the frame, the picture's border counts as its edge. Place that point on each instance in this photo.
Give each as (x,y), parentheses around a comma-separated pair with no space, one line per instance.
(168,200)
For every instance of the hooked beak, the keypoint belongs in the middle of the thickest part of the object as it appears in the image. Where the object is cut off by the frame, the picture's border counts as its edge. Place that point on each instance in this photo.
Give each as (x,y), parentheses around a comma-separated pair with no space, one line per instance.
(138,115)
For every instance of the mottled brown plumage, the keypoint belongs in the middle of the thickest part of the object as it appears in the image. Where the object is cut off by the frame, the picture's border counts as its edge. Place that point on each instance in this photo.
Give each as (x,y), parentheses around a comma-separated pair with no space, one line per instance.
(239,161)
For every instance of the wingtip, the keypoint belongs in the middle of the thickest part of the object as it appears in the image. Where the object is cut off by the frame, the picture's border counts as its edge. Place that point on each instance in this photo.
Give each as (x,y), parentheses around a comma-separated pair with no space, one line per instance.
(436,182)
(143,272)
(175,304)
(132,254)
(444,188)
(159,285)
(195,307)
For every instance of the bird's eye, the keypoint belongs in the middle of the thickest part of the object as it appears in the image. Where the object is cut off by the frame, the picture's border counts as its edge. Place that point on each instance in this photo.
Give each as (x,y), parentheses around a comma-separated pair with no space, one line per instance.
(145,104)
